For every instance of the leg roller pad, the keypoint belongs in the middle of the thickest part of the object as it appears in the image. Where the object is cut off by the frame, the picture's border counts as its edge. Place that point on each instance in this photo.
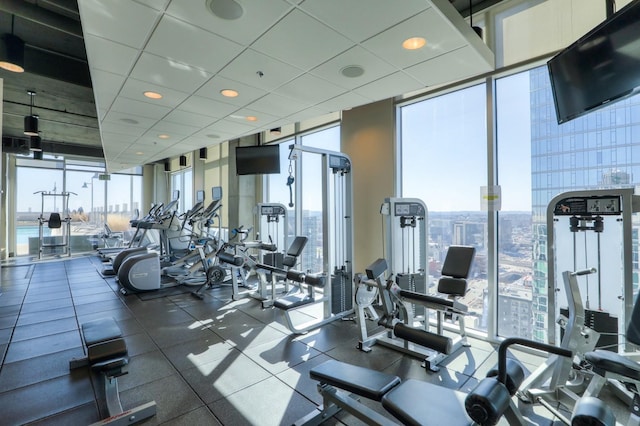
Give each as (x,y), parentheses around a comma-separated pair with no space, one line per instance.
(592,411)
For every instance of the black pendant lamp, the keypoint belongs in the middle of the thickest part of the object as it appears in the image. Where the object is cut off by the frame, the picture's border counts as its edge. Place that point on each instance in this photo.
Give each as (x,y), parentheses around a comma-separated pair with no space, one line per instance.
(12,51)
(35,144)
(31,121)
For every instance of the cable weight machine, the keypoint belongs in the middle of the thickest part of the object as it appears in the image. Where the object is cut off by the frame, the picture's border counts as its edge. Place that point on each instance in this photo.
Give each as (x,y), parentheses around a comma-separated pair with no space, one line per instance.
(593,229)
(54,221)
(330,298)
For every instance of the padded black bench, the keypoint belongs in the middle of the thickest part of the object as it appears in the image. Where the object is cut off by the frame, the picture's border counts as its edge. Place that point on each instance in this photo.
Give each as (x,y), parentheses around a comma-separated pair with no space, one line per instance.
(107,354)
(341,383)
(414,402)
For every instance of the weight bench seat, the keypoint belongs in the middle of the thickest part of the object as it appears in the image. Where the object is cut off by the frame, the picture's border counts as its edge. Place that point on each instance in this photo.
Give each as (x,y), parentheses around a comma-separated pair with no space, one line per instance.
(421,403)
(293,301)
(435,302)
(361,381)
(105,346)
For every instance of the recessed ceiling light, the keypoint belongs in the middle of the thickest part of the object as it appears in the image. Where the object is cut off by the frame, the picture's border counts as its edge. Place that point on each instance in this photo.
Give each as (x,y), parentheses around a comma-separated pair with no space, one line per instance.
(213,136)
(139,153)
(164,136)
(229,93)
(153,95)
(414,43)
(352,71)
(252,118)
(225,9)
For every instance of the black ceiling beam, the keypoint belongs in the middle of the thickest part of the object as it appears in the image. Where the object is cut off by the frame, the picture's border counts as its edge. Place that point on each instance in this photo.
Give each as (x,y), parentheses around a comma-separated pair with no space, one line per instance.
(41,16)
(56,66)
(55,148)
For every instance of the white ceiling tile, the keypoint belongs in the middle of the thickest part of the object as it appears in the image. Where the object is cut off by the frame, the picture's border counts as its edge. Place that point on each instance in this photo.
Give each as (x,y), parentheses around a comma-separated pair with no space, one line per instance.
(206,106)
(233,126)
(310,89)
(259,70)
(307,114)
(156,4)
(211,135)
(279,105)
(143,109)
(109,56)
(169,73)
(258,16)
(174,129)
(106,87)
(189,118)
(122,129)
(344,101)
(129,119)
(449,67)
(389,86)
(262,117)
(191,45)
(361,19)
(246,93)
(301,41)
(122,21)
(373,67)
(440,35)
(134,89)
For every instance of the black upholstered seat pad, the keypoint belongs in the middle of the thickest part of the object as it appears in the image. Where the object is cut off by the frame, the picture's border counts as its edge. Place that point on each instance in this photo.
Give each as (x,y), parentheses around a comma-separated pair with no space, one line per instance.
(421,403)
(355,379)
(100,330)
(433,302)
(614,363)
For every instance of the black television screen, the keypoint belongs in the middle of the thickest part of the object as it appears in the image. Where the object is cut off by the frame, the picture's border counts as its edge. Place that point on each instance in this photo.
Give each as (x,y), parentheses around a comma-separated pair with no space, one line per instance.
(602,66)
(255,160)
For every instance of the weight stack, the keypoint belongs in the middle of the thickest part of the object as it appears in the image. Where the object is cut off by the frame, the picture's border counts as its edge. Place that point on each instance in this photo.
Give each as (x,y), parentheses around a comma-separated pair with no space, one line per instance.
(341,292)
(413,282)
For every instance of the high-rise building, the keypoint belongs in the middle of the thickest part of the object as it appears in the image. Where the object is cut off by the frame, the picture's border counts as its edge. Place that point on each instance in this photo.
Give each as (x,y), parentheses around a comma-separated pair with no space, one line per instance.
(598,150)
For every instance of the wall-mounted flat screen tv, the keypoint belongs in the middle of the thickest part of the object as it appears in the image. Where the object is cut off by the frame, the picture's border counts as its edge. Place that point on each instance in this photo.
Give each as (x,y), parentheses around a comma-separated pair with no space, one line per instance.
(258,160)
(601,67)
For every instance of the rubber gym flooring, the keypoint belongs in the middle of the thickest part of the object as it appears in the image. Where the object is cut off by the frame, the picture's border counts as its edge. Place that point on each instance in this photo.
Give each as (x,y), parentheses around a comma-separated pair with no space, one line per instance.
(204,362)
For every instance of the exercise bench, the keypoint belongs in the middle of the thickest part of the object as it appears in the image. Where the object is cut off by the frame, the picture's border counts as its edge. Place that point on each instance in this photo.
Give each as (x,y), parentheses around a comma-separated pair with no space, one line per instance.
(107,354)
(414,402)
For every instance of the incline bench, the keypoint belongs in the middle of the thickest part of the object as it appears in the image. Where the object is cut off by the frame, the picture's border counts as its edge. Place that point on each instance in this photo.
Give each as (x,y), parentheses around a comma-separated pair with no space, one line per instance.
(107,354)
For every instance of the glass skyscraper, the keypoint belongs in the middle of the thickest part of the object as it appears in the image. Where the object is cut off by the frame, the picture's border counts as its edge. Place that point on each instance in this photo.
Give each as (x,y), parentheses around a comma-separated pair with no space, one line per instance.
(596,151)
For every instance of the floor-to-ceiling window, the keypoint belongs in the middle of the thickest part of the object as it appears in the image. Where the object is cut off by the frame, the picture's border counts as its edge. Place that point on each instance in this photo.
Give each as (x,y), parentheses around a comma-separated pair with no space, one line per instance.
(278,189)
(306,171)
(183,181)
(444,163)
(74,189)
(516,258)
(536,160)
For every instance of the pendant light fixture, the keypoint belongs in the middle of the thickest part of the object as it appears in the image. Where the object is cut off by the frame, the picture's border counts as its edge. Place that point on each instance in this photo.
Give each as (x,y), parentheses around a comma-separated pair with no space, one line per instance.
(12,51)
(31,121)
(35,144)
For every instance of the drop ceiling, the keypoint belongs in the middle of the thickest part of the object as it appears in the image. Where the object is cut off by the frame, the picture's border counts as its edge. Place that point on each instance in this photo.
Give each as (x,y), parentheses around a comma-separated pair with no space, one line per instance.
(283,57)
